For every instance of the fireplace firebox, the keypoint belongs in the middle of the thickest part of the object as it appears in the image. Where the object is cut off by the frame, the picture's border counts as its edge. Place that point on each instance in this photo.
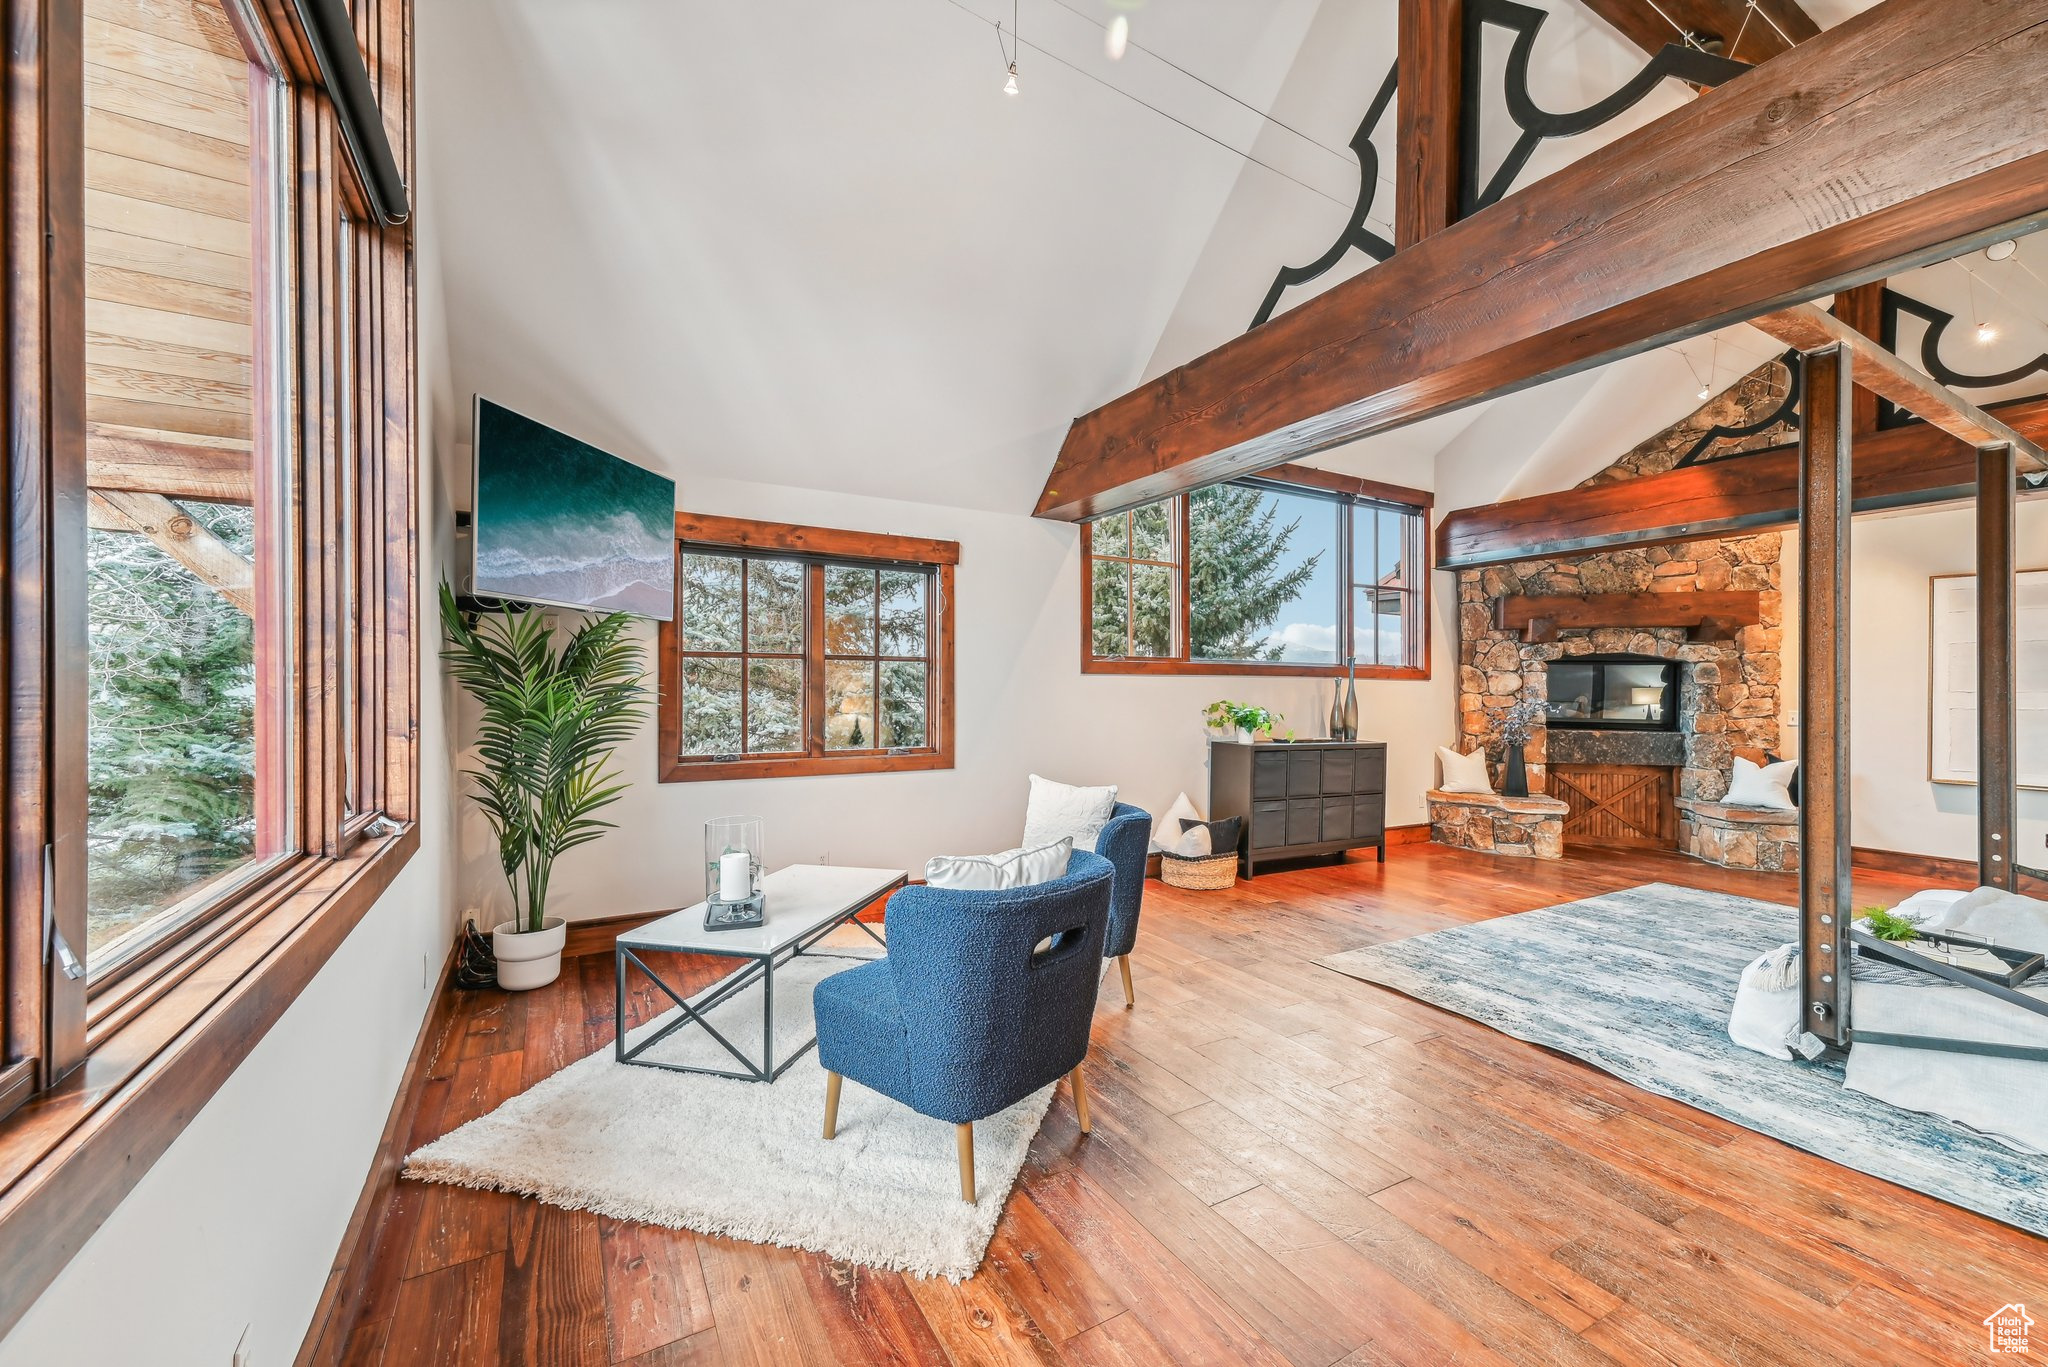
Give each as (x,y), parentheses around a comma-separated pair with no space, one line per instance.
(1613,693)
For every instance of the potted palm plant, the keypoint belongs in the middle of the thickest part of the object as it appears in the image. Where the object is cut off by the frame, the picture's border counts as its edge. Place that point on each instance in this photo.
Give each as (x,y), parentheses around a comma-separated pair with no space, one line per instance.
(552,717)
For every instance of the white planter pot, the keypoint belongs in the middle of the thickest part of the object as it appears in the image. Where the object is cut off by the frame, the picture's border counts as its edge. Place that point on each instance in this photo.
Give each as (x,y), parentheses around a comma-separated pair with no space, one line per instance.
(531,959)
(1245,737)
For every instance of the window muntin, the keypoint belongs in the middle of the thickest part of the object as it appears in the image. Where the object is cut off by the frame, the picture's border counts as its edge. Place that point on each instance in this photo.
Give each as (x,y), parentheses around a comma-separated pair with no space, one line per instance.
(789,655)
(1385,594)
(188,655)
(742,646)
(1259,575)
(1135,607)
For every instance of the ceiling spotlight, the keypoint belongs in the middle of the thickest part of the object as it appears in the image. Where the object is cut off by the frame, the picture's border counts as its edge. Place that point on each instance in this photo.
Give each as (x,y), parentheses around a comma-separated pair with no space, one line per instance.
(1999,251)
(1986,334)
(1118,38)
(1706,392)
(1010,86)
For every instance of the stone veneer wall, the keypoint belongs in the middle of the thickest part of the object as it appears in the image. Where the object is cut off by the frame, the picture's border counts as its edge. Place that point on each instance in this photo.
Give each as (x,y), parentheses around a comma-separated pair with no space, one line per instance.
(1728,692)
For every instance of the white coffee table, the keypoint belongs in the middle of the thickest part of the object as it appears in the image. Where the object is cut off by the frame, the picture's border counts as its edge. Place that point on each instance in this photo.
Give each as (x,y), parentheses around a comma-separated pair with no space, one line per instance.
(804,904)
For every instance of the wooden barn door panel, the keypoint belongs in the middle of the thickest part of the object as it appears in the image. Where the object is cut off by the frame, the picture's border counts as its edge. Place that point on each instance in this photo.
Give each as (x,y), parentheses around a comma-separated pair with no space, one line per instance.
(1629,805)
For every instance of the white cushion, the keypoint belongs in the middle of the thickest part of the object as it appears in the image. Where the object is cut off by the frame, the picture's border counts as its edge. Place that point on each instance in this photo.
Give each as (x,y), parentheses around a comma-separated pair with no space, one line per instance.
(1762,785)
(1019,868)
(1059,809)
(1192,843)
(1464,773)
(1167,833)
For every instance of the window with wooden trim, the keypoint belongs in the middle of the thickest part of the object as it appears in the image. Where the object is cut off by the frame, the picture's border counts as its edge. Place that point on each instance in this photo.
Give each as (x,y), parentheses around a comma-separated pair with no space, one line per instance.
(1295,572)
(801,650)
(210,560)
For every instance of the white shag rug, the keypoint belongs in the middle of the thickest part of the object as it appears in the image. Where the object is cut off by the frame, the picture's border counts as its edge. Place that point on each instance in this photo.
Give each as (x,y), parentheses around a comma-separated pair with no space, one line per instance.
(747,1159)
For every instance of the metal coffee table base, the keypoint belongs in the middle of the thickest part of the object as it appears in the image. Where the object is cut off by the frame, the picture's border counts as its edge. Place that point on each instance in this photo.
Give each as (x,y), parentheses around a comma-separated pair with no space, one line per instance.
(758,968)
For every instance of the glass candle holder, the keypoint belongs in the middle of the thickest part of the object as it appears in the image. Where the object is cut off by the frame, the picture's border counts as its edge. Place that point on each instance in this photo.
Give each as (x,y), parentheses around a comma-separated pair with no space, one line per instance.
(734,854)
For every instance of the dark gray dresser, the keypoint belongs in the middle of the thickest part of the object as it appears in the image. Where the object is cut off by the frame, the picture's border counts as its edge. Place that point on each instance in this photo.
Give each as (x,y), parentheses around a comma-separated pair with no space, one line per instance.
(1300,798)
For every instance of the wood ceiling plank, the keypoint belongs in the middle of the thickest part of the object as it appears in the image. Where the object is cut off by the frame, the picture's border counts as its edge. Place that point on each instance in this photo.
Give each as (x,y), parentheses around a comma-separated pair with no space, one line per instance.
(1896,467)
(1808,328)
(1730,207)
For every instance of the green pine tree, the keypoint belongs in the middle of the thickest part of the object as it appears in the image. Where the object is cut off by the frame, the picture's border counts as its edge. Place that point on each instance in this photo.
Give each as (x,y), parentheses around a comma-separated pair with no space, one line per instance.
(170,740)
(1240,577)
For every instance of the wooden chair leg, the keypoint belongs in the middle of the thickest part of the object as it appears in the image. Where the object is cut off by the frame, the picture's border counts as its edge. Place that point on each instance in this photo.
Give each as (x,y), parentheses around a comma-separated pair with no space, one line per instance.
(1123,961)
(1081,1100)
(832,1081)
(963,1136)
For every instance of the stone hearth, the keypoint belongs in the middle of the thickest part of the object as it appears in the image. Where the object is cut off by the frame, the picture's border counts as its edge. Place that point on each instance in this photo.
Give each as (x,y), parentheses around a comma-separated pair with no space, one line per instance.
(1532,827)
(1739,837)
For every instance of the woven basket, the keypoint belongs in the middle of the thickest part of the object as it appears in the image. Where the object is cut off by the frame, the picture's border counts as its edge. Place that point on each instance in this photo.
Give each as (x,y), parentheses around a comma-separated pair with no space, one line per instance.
(1209,873)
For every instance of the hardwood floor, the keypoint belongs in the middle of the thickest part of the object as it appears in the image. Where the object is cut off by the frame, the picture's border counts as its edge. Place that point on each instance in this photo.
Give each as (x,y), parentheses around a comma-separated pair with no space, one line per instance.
(1287,1166)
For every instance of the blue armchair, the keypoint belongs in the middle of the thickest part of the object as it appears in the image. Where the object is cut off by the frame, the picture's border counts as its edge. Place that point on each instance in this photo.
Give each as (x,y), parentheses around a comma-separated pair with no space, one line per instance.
(1125,842)
(968,1015)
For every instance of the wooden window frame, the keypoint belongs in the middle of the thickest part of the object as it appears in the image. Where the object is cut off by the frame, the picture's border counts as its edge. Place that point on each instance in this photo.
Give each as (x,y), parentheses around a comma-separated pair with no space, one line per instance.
(1353,491)
(163,1033)
(818,547)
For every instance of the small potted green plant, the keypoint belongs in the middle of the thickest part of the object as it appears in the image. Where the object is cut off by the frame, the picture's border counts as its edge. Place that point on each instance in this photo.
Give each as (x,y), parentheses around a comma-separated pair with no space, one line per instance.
(1241,720)
(552,718)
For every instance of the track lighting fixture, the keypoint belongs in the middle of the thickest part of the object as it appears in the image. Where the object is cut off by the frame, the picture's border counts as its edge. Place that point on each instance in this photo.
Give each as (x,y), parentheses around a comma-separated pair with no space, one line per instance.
(1010,86)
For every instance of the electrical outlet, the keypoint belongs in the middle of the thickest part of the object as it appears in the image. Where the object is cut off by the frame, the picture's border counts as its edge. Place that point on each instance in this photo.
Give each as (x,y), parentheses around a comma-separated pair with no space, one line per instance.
(1791,719)
(824,856)
(243,1357)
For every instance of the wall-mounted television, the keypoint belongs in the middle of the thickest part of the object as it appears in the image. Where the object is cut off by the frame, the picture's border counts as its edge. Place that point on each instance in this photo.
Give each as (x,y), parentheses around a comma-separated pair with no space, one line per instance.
(559,522)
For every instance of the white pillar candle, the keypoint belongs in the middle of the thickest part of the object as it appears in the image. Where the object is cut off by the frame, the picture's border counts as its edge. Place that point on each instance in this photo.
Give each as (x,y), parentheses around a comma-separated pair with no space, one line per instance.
(735,876)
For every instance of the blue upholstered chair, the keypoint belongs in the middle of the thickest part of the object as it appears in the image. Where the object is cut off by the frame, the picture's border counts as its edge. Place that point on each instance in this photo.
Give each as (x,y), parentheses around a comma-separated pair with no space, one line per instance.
(1125,842)
(967,1015)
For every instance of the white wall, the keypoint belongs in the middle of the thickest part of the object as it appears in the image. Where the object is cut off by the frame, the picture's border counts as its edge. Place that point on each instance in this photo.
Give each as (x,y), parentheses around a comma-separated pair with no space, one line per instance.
(236,1226)
(1024,707)
(1893,804)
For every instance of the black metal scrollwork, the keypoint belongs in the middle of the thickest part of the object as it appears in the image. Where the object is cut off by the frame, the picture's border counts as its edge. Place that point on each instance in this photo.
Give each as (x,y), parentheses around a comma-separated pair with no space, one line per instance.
(1895,303)
(1685,63)
(1356,233)
(1535,123)
(1786,411)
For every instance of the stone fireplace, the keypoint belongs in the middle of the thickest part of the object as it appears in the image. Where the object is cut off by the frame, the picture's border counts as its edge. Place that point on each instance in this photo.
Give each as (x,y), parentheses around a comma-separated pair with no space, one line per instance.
(1637,786)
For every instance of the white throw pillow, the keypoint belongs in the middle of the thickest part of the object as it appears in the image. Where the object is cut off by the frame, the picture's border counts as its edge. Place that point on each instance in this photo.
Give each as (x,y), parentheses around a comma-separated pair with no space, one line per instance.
(1059,809)
(1019,868)
(1762,785)
(1192,843)
(1166,835)
(1464,773)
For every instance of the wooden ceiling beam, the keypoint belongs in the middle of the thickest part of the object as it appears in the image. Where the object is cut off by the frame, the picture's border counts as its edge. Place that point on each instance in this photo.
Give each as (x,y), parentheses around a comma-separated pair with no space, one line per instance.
(180,536)
(1896,467)
(1730,207)
(1427,108)
(1715,23)
(1808,328)
(173,469)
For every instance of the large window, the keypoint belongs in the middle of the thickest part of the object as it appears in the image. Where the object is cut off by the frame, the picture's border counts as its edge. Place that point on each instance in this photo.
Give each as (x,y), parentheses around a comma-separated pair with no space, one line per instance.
(797,650)
(207,634)
(1267,575)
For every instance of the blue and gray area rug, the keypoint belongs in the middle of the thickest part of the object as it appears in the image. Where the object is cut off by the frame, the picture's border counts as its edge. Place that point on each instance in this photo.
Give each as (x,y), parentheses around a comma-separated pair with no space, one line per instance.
(1640,983)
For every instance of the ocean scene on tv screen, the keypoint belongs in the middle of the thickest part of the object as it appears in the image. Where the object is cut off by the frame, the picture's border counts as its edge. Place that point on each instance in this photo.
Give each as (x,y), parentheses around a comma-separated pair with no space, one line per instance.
(559,521)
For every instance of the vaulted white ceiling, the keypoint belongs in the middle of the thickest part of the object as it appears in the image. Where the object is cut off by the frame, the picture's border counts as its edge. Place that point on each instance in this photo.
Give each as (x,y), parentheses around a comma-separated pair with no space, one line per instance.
(813,243)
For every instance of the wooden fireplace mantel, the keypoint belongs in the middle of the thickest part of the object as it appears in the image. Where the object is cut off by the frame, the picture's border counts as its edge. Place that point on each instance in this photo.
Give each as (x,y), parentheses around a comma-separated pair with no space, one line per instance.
(1711,615)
